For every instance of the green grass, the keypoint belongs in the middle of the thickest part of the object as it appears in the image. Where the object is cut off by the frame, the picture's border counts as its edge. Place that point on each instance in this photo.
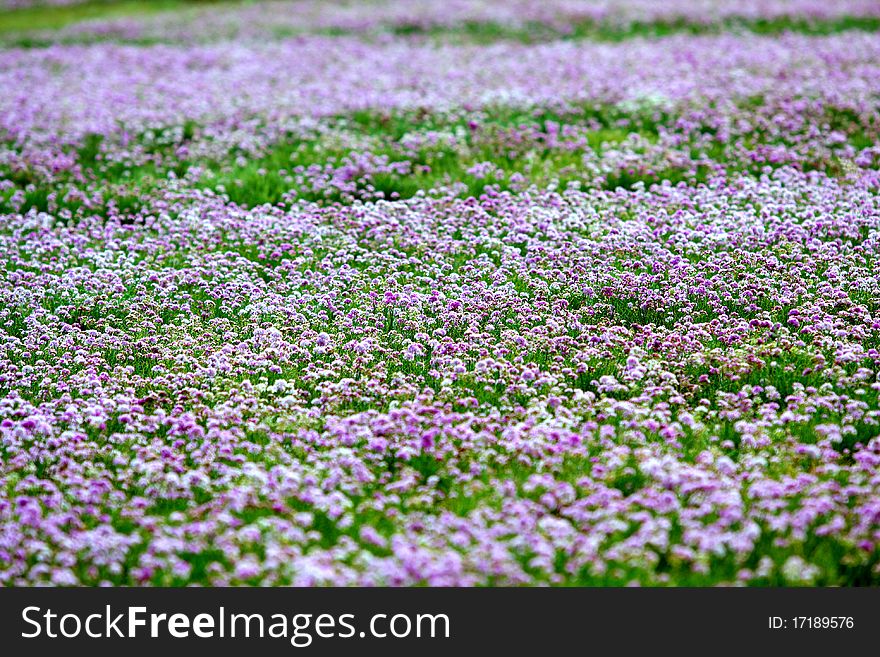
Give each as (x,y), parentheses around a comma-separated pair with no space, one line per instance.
(15,24)
(486,32)
(48,17)
(515,141)
(267,179)
(537,32)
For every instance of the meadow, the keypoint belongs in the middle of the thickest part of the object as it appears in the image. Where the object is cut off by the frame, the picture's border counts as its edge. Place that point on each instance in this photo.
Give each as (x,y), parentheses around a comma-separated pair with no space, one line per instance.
(463,293)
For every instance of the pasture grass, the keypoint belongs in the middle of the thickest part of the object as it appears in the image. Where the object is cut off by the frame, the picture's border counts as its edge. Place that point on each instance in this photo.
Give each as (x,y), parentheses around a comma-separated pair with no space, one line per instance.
(515,145)
(32,26)
(53,17)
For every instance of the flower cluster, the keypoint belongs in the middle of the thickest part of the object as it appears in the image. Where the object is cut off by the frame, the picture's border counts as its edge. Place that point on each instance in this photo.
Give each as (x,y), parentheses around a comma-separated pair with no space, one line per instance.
(569,313)
(522,18)
(587,387)
(694,101)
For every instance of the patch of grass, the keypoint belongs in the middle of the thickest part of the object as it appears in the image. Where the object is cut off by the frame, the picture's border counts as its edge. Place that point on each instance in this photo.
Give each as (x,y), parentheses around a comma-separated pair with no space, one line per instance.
(781,372)
(50,17)
(537,32)
(402,172)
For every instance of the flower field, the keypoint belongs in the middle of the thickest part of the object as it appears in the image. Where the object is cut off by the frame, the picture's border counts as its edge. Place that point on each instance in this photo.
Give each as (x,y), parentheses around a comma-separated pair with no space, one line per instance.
(440,293)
